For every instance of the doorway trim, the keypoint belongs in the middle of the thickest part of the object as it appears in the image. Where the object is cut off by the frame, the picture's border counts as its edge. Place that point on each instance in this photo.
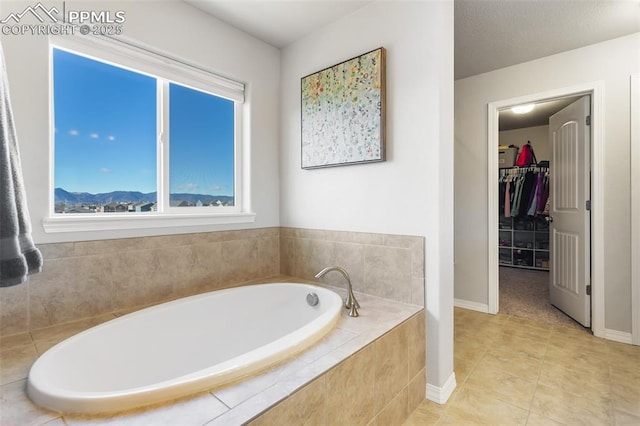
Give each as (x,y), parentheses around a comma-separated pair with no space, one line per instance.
(595,90)
(635,209)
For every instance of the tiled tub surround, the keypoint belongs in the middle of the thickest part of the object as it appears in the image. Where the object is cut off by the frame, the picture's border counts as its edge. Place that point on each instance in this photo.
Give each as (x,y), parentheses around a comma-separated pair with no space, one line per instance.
(86,283)
(388,266)
(369,370)
(90,278)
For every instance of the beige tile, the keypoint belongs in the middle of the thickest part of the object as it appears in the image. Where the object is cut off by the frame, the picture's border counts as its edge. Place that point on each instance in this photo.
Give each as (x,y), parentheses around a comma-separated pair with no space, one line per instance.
(576,359)
(396,412)
(14,308)
(417,258)
(524,346)
(70,288)
(416,390)
(525,331)
(364,238)
(15,340)
(306,406)
(568,408)
(388,272)
(269,256)
(354,377)
(17,409)
(466,355)
(625,419)
(416,343)
(622,372)
(16,362)
(57,250)
(135,278)
(351,257)
(592,347)
(313,255)
(514,363)
(391,365)
(510,388)
(178,266)
(575,380)
(463,368)
(239,260)
(626,396)
(417,291)
(287,256)
(474,406)
(537,420)
(423,415)
(206,272)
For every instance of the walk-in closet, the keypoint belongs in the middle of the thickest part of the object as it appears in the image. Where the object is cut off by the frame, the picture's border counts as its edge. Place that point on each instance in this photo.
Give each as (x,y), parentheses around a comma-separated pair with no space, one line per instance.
(524,220)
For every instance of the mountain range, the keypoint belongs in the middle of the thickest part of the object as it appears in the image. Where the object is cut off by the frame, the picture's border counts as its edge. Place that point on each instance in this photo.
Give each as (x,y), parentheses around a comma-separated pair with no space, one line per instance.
(66,197)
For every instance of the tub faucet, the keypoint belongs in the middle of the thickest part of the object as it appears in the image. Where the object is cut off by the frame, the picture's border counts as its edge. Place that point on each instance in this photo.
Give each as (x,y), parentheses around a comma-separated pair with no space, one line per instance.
(350,301)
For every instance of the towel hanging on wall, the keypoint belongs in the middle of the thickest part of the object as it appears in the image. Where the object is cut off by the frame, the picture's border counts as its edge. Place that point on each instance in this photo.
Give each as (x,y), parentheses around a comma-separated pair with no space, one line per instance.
(19,257)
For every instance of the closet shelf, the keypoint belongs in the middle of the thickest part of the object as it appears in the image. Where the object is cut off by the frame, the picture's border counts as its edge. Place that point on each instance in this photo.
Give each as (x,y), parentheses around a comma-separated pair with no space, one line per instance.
(524,243)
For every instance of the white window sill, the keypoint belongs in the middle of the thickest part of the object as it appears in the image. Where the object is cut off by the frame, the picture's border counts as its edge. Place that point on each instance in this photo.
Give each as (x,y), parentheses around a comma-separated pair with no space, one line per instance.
(115,222)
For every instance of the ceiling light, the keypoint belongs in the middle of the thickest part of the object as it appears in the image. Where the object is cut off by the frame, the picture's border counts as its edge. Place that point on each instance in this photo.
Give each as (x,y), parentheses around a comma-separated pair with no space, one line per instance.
(522,109)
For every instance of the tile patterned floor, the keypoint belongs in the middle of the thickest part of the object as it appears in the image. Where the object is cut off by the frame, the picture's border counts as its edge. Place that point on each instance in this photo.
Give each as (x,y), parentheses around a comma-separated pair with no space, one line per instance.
(514,371)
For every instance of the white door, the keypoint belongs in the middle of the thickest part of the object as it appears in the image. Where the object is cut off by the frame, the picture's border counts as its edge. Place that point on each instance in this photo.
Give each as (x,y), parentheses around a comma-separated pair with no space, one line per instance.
(570,277)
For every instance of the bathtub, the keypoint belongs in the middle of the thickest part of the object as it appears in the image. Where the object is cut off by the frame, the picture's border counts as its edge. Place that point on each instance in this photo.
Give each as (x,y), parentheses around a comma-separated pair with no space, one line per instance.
(181,347)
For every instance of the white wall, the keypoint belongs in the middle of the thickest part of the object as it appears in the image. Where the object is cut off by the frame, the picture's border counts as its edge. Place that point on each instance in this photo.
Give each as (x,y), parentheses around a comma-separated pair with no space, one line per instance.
(610,62)
(538,135)
(180,31)
(410,193)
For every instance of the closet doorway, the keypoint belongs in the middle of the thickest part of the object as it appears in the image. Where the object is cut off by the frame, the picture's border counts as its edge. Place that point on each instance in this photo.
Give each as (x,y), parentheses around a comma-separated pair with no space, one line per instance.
(539,258)
(574,260)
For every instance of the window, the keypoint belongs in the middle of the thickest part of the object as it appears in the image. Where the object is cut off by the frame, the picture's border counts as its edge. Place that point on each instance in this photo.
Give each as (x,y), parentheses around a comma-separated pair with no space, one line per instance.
(138,136)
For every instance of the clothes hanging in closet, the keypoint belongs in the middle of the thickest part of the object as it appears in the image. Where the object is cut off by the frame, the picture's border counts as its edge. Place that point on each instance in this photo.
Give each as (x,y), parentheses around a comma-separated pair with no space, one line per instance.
(524,191)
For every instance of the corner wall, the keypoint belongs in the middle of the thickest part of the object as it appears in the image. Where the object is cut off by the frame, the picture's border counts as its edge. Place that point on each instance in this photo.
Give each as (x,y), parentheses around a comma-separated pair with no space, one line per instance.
(610,62)
(412,192)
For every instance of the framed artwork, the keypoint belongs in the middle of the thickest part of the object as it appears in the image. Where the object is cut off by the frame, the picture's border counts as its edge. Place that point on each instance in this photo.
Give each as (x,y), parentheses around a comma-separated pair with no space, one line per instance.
(343,113)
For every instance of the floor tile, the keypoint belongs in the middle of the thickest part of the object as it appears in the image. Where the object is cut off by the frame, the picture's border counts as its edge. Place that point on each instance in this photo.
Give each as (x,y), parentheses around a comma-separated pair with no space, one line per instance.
(572,409)
(512,371)
(510,388)
(483,407)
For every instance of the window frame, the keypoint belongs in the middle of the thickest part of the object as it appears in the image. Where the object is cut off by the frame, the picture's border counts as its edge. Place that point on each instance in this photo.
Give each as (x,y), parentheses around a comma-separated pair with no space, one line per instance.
(123,54)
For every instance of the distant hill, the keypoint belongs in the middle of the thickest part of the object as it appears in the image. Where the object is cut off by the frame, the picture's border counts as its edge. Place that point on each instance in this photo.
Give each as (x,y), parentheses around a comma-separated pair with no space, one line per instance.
(66,197)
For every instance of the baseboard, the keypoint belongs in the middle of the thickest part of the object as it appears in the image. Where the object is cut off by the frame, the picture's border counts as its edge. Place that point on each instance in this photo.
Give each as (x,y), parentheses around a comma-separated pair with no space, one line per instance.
(618,336)
(440,395)
(474,306)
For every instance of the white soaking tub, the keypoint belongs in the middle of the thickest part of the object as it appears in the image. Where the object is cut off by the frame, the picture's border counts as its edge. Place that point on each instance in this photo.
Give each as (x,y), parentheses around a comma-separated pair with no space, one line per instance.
(181,347)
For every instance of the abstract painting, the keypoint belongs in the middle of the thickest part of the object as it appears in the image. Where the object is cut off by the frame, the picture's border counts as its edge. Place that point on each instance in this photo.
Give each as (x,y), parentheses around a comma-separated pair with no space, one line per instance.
(343,113)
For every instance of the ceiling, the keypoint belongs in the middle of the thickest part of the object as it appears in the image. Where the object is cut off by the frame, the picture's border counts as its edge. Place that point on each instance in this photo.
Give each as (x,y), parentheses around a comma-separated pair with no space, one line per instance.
(278,22)
(538,117)
(489,34)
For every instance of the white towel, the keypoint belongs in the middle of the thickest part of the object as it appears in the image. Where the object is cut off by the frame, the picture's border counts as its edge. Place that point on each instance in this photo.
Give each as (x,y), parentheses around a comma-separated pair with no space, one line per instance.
(18,255)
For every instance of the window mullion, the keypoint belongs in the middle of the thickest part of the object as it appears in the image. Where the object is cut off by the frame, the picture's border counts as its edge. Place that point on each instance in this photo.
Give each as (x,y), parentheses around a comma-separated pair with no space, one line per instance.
(163,146)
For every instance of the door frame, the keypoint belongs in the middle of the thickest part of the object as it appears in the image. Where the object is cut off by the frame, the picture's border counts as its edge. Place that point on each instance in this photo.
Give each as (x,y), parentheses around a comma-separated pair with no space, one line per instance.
(595,90)
(635,209)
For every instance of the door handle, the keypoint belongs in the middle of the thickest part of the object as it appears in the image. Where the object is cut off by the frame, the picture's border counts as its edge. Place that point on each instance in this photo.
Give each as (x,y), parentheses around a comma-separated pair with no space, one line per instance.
(549,218)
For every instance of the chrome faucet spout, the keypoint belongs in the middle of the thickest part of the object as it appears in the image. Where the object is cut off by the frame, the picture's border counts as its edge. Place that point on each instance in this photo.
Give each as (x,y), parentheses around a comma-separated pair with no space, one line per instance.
(350,301)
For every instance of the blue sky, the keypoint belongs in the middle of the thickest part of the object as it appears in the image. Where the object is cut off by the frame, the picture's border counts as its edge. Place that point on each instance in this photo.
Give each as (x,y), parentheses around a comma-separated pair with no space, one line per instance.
(105,132)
